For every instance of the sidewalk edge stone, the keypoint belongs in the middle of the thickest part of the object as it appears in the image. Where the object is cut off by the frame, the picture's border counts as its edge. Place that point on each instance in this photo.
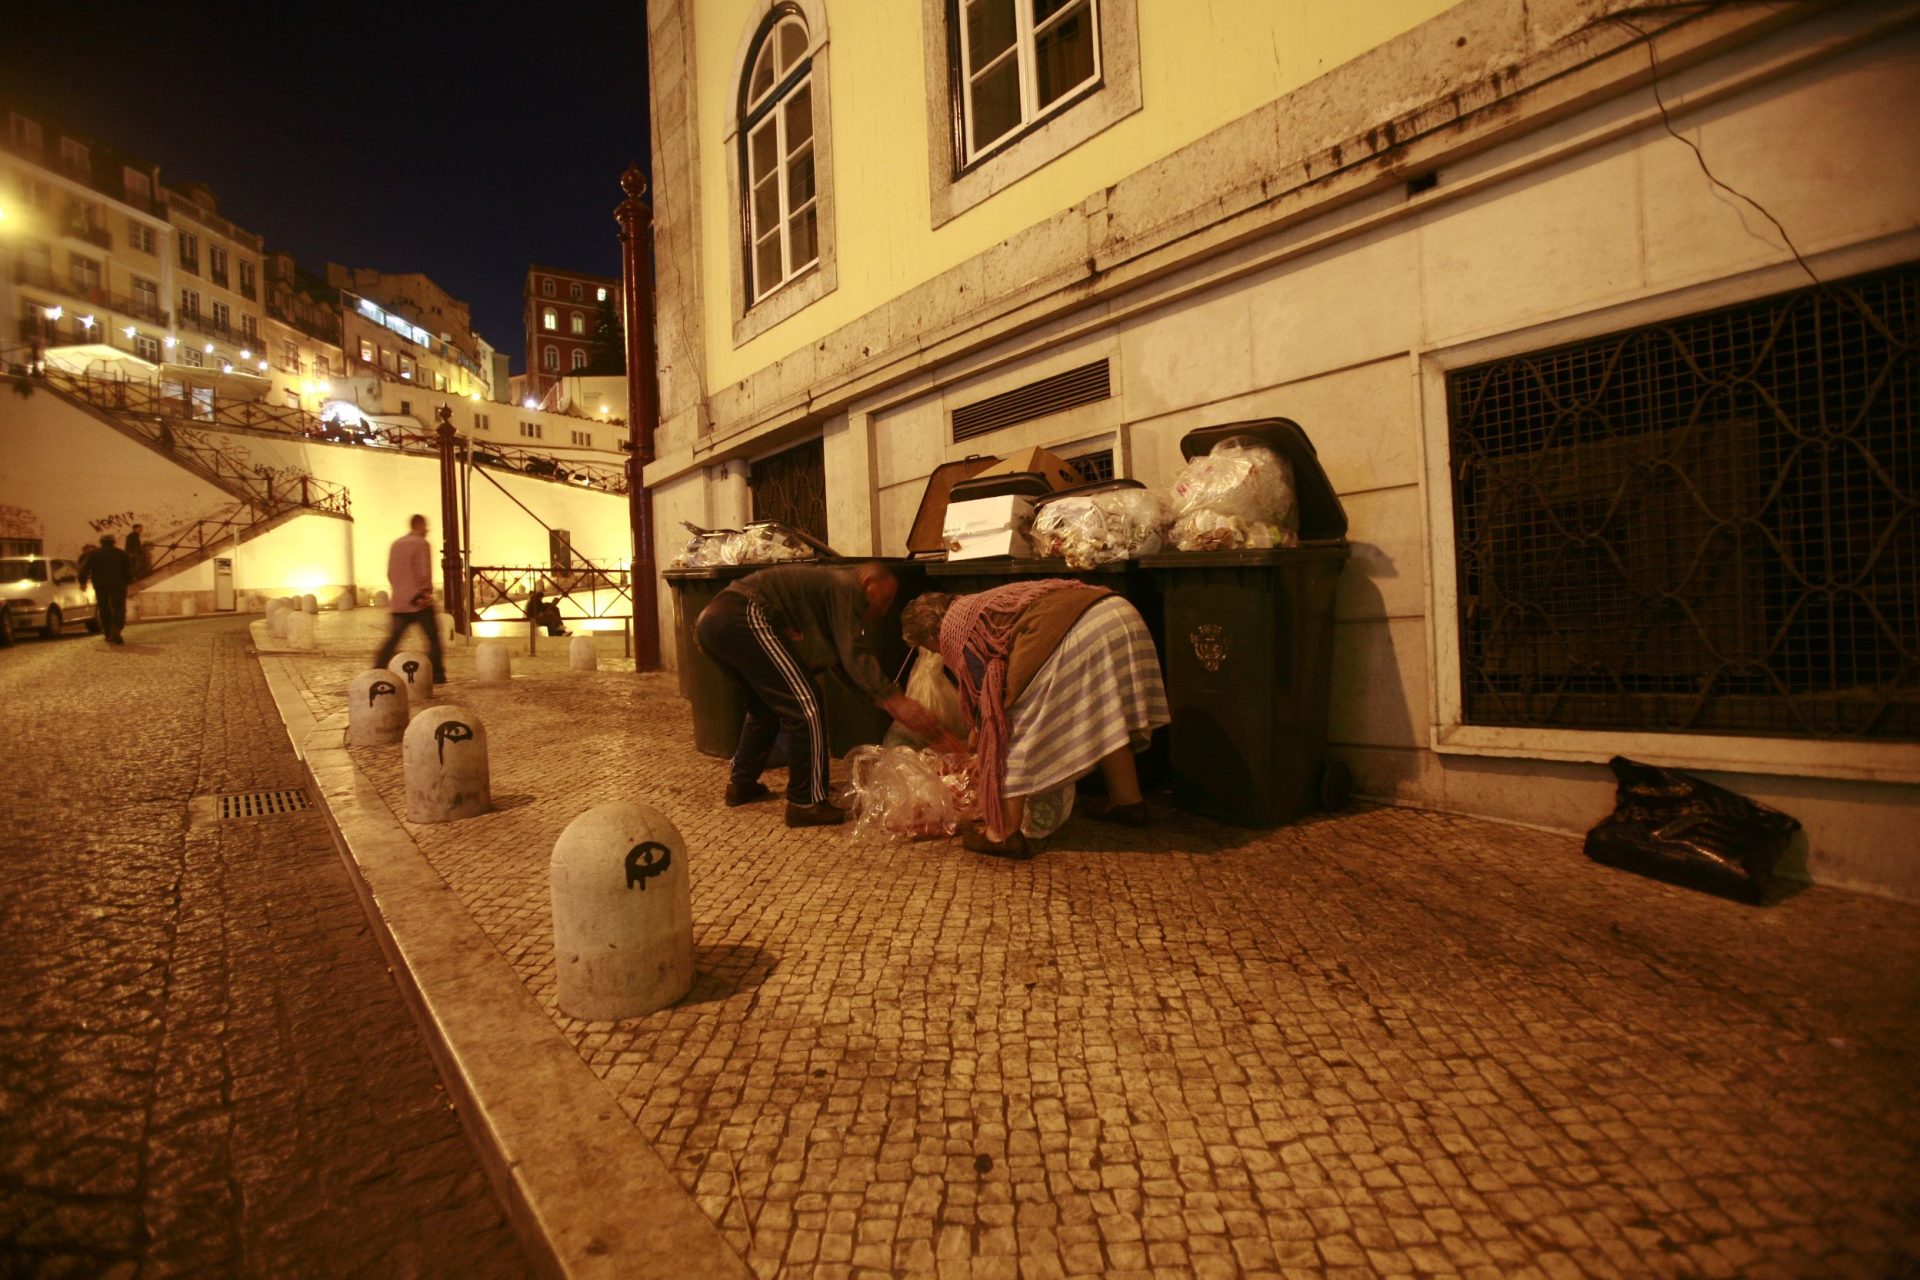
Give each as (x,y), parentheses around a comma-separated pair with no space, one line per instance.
(588,1196)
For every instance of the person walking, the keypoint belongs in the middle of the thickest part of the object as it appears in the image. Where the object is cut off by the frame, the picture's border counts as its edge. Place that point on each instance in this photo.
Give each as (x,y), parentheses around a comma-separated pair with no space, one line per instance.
(109,571)
(137,551)
(410,596)
(773,630)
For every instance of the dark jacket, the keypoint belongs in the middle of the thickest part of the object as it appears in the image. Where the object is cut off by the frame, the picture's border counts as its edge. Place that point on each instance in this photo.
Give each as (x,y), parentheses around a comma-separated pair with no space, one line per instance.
(827,608)
(110,570)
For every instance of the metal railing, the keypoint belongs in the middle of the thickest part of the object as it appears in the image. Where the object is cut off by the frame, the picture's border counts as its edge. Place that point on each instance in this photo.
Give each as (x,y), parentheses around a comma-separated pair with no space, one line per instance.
(587,592)
(93,295)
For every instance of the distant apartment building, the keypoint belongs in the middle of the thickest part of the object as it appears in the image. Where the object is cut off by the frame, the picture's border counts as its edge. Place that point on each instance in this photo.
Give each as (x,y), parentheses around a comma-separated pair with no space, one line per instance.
(91,247)
(562,312)
(404,326)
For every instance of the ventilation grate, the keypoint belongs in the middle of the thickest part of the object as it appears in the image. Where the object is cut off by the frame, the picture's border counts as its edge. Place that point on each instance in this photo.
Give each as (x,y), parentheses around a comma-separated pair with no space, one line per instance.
(263,804)
(1084,385)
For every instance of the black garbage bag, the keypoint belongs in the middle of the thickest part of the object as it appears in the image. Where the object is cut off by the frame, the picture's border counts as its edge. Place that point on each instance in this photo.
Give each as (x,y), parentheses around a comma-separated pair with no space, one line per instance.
(1673,826)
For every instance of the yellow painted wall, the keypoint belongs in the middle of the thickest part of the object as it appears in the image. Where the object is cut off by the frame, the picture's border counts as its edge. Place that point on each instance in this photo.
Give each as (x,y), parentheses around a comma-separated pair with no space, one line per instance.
(1203,63)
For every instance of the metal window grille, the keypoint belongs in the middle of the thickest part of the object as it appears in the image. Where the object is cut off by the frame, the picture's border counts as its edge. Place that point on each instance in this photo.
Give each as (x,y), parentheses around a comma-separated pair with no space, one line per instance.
(1702,526)
(1084,385)
(1093,467)
(791,487)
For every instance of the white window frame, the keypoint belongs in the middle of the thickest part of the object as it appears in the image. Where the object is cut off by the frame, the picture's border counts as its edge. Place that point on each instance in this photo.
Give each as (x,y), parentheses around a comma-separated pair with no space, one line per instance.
(546,287)
(147,347)
(550,358)
(577,322)
(190,303)
(550,320)
(573,291)
(768,113)
(1023,51)
(222,315)
(957,183)
(579,359)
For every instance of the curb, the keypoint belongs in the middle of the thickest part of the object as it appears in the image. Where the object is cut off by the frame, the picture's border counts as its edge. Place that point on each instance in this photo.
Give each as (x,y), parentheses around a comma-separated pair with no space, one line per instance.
(588,1197)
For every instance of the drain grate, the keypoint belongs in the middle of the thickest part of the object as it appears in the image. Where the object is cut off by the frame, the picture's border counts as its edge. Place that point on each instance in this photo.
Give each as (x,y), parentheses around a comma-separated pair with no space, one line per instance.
(263,804)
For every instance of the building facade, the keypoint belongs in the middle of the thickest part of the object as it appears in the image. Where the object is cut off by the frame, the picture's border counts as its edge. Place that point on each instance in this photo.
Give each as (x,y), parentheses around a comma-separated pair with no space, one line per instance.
(1569,296)
(406,328)
(562,311)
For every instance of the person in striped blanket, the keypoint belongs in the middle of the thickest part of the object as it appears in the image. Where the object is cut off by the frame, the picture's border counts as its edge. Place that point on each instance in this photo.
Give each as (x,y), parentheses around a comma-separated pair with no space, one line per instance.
(1056,678)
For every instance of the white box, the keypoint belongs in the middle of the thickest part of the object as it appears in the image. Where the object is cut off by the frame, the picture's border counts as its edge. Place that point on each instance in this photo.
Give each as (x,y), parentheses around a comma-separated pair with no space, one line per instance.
(979,515)
(987,542)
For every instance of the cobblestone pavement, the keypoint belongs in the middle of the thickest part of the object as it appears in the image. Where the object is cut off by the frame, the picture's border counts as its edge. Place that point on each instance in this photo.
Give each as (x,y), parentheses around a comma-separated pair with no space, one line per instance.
(1385,1043)
(204,1065)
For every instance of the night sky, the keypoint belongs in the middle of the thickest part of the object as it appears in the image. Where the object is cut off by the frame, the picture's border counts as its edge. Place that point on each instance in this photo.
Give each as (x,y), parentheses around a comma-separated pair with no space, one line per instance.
(458,140)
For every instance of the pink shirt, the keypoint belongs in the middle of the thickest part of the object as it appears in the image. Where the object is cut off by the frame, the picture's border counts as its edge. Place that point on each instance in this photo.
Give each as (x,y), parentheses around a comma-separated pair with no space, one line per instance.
(409,572)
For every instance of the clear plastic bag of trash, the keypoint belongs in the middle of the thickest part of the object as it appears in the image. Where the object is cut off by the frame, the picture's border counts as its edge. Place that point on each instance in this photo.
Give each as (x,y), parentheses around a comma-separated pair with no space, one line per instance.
(763,542)
(1240,495)
(1676,827)
(927,684)
(1093,529)
(901,793)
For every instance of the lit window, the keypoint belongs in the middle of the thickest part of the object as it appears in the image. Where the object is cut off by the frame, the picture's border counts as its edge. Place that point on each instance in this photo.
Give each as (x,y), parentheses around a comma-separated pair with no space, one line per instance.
(366,351)
(406,366)
(579,322)
(1020,61)
(600,295)
(549,319)
(386,359)
(776,137)
(579,358)
(551,357)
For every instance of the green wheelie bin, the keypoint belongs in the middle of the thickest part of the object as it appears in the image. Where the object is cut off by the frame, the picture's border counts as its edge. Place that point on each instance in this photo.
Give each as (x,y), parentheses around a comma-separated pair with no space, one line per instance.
(1249,653)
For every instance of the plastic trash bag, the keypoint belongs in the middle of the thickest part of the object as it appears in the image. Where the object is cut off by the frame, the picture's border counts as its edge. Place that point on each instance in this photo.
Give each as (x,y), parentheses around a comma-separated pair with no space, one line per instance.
(1673,826)
(759,543)
(1093,529)
(900,792)
(1047,812)
(1240,495)
(927,684)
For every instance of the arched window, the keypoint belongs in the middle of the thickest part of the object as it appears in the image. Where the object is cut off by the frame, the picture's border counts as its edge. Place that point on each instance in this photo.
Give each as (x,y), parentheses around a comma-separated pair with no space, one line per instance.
(546,288)
(781,219)
(579,321)
(549,319)
(551,358)
(579,358)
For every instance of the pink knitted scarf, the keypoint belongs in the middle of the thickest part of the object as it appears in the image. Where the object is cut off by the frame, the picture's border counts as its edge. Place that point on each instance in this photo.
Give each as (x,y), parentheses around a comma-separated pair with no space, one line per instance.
(976,639)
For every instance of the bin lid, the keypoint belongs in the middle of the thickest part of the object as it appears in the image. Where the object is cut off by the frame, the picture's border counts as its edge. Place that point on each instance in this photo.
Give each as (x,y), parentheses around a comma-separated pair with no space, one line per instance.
(1022,484)
(927,533)
(1088,489)
(1322,518)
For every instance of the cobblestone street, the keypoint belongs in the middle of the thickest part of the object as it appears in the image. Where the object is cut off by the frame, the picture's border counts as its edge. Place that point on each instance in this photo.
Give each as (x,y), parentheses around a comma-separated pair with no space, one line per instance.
(1383,1043)
(204,1066)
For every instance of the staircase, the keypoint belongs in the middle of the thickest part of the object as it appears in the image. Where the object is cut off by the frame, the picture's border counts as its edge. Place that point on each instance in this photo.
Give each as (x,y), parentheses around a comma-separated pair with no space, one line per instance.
(264,498)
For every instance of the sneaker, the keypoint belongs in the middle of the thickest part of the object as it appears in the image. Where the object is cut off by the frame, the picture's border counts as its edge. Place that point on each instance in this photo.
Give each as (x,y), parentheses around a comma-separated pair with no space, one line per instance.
(814,815)
(739,793)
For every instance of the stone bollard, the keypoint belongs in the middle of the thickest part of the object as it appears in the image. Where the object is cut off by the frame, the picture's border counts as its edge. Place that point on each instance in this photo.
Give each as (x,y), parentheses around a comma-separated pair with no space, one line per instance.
(376,708)
(309,604)
(414,669)
(379,599)
(581,655)
(622,913)
(445,751)
(492,662)
(300,630)
(347,602)
(277,618)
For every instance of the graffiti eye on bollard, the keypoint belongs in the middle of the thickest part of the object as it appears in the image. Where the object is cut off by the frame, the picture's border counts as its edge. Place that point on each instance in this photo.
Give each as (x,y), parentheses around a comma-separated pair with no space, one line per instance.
(380,689)
(646,860)
(409,667)
(449,731)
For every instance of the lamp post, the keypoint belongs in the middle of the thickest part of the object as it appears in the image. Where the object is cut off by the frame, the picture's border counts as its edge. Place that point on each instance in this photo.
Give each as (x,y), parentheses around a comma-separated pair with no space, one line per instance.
(450,558)
(635,217)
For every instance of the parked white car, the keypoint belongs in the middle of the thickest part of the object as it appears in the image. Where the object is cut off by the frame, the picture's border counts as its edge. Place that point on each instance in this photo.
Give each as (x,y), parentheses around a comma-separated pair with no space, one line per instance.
(42,593)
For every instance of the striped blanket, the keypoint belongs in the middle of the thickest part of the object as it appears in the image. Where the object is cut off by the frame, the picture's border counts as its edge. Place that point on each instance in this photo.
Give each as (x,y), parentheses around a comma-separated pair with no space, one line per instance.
(1100,690)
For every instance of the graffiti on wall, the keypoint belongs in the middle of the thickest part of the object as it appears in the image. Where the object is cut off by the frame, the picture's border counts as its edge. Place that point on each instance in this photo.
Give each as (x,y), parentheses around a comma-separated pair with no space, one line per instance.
(19,522)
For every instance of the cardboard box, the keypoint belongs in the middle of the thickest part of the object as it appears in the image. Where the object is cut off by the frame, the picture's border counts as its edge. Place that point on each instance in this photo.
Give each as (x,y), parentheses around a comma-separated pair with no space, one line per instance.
(987,542)
(1040,462)
(930,519)
(982,515)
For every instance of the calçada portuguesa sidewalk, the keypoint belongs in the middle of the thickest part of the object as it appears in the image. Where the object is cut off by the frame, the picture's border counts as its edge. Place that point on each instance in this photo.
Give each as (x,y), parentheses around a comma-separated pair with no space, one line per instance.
(1383,1042)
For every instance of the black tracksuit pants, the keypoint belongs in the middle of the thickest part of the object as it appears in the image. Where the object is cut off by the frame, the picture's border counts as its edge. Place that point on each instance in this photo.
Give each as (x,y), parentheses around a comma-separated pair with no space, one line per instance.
(780,695)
